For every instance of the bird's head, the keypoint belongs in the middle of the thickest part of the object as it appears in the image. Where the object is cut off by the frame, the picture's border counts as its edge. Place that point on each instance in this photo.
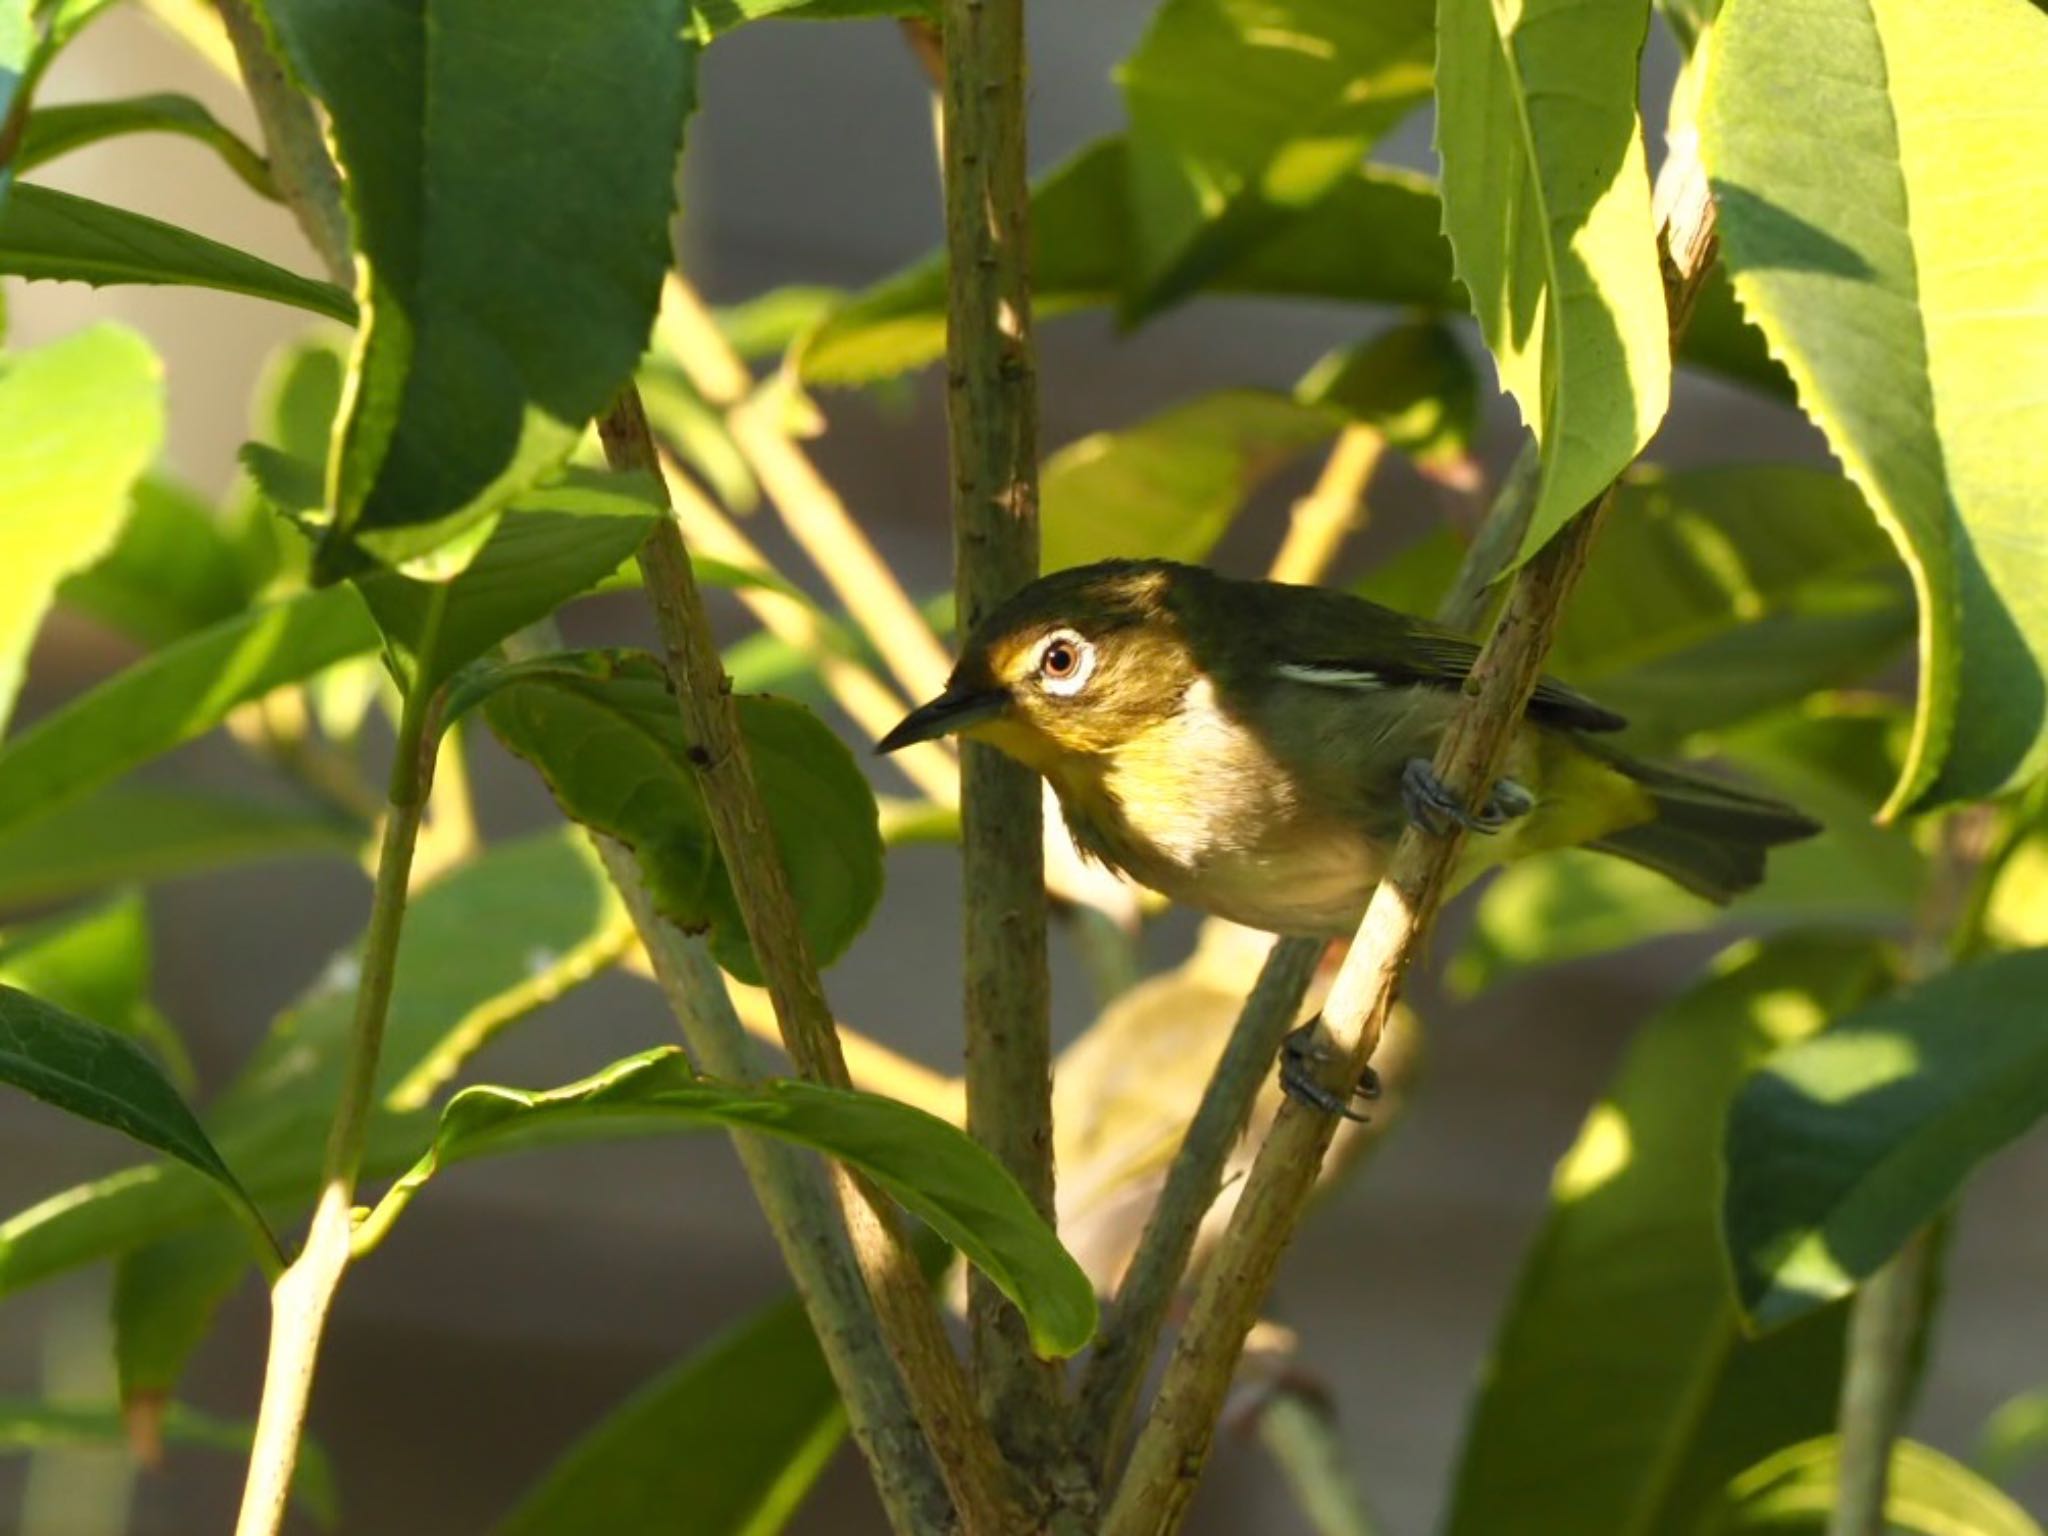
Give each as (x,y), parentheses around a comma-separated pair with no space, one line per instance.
(1074,665)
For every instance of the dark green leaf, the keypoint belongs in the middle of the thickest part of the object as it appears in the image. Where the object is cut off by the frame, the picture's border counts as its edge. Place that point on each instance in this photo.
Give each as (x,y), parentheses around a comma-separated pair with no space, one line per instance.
(181,692)
(26,1426)
(483,946)
(1244,114)
(171,570)
(165,1296)
(1794,1493)
(1170,486)
(79,421)
(96,964)
(1843,1147)
(554,541)
(1412,383)
(47,234)
(492,336)
(1620,1391)
(1547,207)
(1862,219)
(57,130)
(136,833)
(602,728)
(931,1167)
(90,1071)
(736,1435)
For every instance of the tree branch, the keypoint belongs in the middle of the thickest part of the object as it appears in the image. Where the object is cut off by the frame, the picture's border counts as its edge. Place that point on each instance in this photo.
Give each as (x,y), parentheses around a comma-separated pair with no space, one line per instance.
(1333,509)
(1170,1452)
(910,1323)
(992,428)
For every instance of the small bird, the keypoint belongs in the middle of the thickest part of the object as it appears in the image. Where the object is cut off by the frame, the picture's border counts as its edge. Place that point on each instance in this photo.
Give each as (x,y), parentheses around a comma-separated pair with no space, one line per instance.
(1254,750)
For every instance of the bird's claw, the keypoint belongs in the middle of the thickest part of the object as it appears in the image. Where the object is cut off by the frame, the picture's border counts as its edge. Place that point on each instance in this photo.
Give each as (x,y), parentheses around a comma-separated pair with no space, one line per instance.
(1300,1055)
(1432,807)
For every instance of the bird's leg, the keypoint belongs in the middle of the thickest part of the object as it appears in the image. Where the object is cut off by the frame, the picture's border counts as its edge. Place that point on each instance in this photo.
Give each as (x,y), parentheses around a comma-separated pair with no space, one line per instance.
(1300,1054)
(1432,807)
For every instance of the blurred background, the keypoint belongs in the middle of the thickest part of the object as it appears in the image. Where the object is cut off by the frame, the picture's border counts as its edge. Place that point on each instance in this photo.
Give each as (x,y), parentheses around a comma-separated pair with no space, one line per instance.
(527,1296)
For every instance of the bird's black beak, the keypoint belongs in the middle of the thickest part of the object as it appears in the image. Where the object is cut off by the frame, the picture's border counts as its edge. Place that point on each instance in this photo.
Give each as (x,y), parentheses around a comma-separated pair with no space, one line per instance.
(954,710)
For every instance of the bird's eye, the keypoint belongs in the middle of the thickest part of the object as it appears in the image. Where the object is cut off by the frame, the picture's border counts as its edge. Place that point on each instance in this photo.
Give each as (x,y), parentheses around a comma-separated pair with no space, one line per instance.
(1064,662)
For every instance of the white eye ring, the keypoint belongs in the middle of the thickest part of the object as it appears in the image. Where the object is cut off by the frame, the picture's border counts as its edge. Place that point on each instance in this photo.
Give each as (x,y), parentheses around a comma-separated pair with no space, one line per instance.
(1064,684)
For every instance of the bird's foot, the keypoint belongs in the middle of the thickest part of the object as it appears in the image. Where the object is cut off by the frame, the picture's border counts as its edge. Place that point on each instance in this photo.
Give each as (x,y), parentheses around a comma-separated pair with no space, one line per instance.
(1300,1054)
(1432,807)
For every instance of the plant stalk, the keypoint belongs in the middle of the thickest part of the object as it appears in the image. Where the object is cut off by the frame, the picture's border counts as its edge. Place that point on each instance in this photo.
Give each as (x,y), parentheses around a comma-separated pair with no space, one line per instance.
(1333,509)
(306,176)
(967,1454)
(1884,1319)
(992,429)
(1171,1450)
(303,1294)
(1132,1322)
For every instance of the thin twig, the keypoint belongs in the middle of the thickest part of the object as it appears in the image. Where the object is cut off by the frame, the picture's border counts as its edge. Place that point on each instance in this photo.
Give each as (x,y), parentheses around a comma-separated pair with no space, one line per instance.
(937,1386)
(992,428)
(1168,1458)
(1300,1433)
(1333,510)
(300,165)
(300,1299)
(813,512)
(1132,1322)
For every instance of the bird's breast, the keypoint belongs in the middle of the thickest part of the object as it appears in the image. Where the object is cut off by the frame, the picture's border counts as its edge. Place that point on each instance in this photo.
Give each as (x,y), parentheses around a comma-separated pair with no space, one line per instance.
(1198,809)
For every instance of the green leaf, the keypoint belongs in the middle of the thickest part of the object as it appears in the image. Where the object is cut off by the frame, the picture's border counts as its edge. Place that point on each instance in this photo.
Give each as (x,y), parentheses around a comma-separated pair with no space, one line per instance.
(933,1169)
(58,130)
(96,963)
(293,414)
(1170,486)
(1841,1148)
(2014,1437)
(1244,112)
(88,1070)
(18,48)
(181,692)
(736,1434)
(698,433)
(490,335)
(1794,1492)
(51,235)
(1620,1391)
(602,729)
(1412,383)
(26,1426)
(1827,758)
(170,571)
(165,1296)
(1716,595)
(136,833)
(483,946)
(1374,238)
(79,420)
(1547,208)
(554,541)
(1866,224)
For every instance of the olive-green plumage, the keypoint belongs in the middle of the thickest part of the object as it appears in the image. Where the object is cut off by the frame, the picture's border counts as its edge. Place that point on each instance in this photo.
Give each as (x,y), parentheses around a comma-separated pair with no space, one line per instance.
(1254,749)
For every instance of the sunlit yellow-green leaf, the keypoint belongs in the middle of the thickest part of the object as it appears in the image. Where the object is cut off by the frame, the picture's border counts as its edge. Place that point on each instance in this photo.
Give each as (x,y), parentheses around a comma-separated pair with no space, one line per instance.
(1870,159)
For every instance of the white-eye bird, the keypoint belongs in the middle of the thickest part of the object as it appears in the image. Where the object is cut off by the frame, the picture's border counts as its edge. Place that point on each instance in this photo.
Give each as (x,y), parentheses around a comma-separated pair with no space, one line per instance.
(1254,749)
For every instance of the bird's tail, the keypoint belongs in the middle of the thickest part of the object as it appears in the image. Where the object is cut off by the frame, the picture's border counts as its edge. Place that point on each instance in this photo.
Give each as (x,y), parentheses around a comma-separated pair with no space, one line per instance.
(1707,835)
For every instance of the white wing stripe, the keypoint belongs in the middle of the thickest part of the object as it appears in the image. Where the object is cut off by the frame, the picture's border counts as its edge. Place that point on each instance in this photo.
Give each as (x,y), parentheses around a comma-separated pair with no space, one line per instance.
(1332,677)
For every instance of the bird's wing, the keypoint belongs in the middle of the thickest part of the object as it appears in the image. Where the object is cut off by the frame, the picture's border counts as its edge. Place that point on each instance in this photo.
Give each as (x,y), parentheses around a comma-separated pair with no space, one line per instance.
(1428,657)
